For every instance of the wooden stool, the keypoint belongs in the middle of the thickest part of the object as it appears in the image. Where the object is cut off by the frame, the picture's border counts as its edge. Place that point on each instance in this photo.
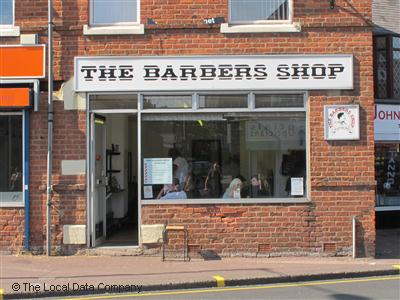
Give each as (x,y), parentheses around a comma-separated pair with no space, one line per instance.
(181,228)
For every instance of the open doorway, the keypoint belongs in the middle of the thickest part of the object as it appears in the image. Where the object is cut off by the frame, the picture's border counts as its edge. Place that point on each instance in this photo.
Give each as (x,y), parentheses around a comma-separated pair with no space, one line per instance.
(114,196)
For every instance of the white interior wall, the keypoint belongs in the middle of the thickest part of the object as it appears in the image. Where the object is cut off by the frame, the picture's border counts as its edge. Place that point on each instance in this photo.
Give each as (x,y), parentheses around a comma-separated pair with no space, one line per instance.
(117,134)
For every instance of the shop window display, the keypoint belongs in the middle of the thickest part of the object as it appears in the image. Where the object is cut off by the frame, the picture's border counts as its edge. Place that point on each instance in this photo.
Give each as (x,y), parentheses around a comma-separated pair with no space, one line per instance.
(387,170)
(11,159)
(230,155)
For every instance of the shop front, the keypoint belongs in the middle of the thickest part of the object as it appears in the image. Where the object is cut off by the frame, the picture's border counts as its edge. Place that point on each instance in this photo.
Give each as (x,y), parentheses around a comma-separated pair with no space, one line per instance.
(221,145)
(19,96)
(387,172)
(387,156)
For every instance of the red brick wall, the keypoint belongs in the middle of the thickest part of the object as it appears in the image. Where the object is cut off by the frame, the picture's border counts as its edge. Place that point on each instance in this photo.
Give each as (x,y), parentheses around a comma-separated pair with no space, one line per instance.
(241,229)
(69,197)
(342,173)
(11,229)
(73,14)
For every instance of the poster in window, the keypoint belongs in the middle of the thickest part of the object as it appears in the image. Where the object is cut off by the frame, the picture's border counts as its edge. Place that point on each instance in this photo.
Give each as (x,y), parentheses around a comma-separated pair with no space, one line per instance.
(157,171)
(296,186)
(342,122)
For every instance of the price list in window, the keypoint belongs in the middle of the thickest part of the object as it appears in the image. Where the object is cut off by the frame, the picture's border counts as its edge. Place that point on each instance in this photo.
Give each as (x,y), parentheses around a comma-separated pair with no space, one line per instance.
(157,171)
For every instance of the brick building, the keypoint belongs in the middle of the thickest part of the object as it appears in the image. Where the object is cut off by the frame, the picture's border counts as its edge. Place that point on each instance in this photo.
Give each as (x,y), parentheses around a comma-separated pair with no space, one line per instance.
(387,121)
(262,114)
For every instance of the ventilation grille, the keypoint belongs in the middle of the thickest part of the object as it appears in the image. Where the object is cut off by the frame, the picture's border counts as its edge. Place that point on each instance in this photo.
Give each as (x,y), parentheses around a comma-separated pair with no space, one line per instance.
(264,248)
(329,247)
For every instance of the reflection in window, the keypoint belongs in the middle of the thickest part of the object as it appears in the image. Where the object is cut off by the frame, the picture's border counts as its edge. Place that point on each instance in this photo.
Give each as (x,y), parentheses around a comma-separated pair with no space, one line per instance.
(167,102)
(226,155)
(258,10)
(6,12)
(106,12)
(387,172)
(270,101)
(223,101)
(387,70)
(396,67)
(11,158)
(113,101)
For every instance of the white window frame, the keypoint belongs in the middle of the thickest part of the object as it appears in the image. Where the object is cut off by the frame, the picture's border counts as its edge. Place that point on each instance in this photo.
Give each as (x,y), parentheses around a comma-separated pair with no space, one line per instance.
(21,203)
(139,111)
(10,29)
(119,28)
(288,21)
(91,23)
(195,109)
(260,26)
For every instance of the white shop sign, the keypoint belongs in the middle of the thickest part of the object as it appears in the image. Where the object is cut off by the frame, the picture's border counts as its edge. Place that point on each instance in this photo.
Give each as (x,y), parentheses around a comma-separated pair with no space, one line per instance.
(275,72)
(387,122)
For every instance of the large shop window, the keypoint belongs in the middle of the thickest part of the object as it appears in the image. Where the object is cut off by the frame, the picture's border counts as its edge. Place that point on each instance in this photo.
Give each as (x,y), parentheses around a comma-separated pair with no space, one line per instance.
(224,154)
(11,168)
(387,172)
(117,12)
(6,13)
(250,11)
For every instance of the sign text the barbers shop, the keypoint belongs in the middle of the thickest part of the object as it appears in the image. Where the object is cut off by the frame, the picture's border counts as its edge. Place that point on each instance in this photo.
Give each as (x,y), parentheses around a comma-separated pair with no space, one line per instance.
(302,72)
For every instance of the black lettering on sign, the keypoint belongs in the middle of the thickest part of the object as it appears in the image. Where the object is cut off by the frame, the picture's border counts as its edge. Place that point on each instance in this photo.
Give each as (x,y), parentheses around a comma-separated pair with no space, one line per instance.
(300,71)
(260,72)
(283,72)
(242,70)
(125,72)
(208,72)
(318,71)
(188,71)
(107,73)
(225,72)
(334,69)
(88,72)
(152,72)
(169,74)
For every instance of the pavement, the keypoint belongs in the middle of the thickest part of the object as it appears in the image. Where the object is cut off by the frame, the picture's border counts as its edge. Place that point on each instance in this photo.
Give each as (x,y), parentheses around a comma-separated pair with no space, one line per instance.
(41,276)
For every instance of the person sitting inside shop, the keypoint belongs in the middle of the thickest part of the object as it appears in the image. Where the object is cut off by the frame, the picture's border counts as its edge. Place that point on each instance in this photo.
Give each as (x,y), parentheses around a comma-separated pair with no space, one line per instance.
(180,165)
(212,184)
(172,191)
(233,190)
(259,187)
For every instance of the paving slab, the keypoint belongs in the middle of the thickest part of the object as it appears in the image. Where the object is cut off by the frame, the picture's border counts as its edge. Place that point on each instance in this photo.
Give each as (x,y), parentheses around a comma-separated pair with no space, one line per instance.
(151,273)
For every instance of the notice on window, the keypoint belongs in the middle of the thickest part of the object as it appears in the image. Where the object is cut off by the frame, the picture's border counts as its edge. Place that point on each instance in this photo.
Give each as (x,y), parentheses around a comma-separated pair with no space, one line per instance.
(296,186)
(157,171)
(148,192)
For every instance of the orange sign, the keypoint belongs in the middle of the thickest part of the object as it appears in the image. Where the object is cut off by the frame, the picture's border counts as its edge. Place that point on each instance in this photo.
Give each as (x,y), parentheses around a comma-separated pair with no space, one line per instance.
(14,97)
(22,61)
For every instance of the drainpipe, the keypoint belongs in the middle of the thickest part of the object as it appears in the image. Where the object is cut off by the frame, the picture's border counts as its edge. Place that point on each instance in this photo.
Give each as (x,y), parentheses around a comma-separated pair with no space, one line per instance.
(26,180)
(49,189)
(354,225)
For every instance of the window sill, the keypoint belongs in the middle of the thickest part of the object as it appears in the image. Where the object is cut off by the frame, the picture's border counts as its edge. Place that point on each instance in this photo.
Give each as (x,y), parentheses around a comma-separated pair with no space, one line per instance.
(113,30)
(12,204)
(387,208)
(259,28)
(243,201)
(9,31)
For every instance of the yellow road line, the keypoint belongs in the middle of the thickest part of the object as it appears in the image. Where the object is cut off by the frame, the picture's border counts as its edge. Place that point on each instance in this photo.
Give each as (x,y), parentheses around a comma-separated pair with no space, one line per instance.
(214,290)
(396,266)
(1,294)
(220,280)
